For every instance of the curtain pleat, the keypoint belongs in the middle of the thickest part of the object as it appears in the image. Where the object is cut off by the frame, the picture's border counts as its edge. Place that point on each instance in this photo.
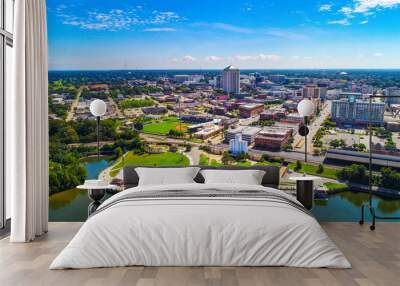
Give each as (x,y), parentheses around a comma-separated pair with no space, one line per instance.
(29,159)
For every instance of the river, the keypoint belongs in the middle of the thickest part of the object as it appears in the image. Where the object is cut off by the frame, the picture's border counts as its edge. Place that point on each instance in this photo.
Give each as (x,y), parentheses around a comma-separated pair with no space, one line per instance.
(72,205)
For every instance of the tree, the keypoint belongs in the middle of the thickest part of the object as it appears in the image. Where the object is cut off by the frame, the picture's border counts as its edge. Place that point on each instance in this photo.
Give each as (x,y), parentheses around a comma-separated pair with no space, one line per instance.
(390,145)
(265,157)
(227,158)
(175,133)
(316,152)
(354,173)
(188,147)
(298,166)
(320,169)
(336,143)
(138,126)
(359,147)
(119,152)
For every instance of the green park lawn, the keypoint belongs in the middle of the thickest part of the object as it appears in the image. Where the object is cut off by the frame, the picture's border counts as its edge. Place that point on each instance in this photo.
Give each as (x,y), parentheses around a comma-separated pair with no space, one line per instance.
(163,159)
(204,160)
(335,186)
(312,170)
(163,126)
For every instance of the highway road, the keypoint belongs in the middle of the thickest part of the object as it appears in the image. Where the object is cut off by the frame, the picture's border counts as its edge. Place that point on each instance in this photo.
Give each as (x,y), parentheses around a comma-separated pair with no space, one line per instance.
(314,126)
(74,104)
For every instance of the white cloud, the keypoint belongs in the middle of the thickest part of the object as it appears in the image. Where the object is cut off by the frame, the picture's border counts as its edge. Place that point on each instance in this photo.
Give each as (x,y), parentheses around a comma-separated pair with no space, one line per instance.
(244,58)
(116,19)
(378,55)
(213,59)
(325,8)
(262,57)
(343,22)
(268,57)
(159,30)
(363,6)
(189,58)
(346,11)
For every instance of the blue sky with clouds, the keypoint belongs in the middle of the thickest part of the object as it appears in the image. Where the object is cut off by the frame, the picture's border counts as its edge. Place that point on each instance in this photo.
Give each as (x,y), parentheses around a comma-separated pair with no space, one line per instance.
(100,34)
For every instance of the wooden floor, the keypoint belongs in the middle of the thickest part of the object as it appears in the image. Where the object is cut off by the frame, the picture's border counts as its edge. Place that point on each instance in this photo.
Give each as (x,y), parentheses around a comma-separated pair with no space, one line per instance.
(375,257)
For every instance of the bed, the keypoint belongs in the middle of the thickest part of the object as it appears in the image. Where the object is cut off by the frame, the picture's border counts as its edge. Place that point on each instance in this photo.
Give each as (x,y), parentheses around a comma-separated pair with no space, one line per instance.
(201,224)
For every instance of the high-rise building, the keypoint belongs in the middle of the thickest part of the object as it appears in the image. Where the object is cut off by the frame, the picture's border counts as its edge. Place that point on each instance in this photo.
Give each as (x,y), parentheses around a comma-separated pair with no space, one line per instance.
(351,111)
(311,91)
(237,146)
(231,80)
(393,91)
(218,81)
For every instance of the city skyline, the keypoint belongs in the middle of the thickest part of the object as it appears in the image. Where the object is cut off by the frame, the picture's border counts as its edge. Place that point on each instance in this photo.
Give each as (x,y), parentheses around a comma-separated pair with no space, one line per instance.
(207,35)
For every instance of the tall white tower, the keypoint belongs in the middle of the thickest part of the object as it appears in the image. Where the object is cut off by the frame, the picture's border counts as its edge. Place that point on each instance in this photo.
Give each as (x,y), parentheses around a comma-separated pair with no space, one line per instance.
(231,80)
(238,146)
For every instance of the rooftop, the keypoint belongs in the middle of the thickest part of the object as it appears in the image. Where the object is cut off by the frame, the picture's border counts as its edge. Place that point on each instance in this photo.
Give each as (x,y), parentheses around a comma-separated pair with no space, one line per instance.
(231,68)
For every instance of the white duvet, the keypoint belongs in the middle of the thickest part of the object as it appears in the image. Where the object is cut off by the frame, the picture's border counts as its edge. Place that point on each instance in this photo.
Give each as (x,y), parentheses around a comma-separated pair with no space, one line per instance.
(200,232)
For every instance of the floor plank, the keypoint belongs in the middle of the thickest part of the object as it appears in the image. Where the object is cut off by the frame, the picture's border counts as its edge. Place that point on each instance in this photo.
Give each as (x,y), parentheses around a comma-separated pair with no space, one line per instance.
(375,257)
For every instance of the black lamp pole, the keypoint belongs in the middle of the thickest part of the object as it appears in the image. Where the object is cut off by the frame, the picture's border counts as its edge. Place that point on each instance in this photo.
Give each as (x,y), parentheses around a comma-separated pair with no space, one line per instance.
(369,205)
(305,139)
(98,137)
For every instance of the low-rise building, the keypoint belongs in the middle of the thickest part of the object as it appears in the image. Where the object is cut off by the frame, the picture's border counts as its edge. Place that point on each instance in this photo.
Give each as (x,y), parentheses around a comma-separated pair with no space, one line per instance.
(273,138)
(250,110)
(273,114)
(208,132)
(196,118)
(294,118)
(157,110)
(248,133)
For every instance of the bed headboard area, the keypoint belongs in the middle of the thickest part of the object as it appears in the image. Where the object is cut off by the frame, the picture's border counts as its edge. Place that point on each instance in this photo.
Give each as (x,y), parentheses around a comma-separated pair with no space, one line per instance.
(270,179)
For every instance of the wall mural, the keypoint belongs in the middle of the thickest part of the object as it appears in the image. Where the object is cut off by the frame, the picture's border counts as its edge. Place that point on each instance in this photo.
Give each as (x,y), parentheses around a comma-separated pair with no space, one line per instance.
(171,101)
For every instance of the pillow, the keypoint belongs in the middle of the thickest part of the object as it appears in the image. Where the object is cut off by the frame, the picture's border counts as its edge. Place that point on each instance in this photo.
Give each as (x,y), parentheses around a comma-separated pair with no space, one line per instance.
(166,176)
(243,177)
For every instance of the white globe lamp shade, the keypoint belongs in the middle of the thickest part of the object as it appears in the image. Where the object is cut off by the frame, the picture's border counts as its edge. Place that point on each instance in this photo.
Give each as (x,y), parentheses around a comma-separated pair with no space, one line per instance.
(98,107)
(305,108)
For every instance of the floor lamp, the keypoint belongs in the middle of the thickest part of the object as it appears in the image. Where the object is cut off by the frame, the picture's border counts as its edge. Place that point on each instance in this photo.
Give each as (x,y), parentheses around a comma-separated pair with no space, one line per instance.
(98,108)
(369,204)
(306,109)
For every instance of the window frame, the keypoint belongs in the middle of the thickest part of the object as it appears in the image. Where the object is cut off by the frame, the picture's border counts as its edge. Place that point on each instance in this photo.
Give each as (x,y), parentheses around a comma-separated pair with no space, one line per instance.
(6,39)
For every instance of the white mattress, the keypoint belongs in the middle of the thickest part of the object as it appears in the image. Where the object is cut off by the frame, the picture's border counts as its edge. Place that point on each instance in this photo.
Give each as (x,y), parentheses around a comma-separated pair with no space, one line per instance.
(200,232)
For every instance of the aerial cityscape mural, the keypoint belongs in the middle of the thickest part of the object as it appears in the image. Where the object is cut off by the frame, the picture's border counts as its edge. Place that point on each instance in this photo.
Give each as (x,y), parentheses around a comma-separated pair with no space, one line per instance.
(218,83)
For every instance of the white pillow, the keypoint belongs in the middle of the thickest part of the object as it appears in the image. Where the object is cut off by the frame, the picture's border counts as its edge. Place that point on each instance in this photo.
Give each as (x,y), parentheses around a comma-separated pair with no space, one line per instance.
(166,176)
(243,177)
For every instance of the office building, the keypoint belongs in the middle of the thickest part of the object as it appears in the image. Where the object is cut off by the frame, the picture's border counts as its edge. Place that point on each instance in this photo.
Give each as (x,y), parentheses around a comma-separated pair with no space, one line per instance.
(393,91)
(278,78)
(351,95)
(181,78)
(248,133)
(250,110)
(208,132)
(311,91)
(275,114)
(231,80)
(351,111)
(238,146)
(273,138)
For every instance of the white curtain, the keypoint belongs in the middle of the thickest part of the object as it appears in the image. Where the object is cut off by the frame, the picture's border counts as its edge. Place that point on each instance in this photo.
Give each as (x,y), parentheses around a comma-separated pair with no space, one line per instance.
(27,125)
